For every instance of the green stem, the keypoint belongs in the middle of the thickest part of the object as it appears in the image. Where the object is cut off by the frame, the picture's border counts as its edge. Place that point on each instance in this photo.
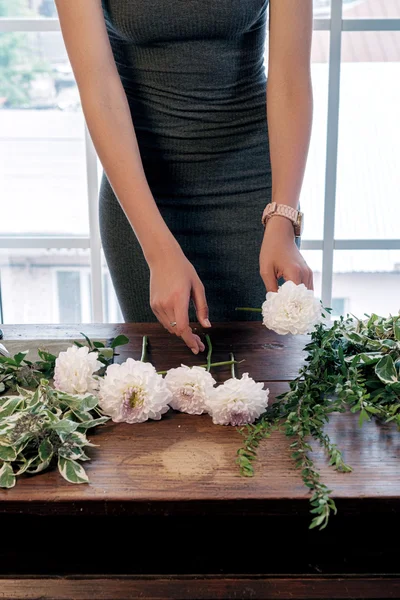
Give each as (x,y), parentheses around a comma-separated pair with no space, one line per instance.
(233,365)
(209,353)
(217,364)
(143,358)
(249,309)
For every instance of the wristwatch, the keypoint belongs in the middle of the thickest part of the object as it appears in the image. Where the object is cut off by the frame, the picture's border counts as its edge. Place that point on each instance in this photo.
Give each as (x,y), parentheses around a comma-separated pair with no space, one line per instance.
(297,217)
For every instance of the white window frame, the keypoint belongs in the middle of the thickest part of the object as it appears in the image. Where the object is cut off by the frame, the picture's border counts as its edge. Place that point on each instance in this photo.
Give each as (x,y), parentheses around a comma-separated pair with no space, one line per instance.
(335,25)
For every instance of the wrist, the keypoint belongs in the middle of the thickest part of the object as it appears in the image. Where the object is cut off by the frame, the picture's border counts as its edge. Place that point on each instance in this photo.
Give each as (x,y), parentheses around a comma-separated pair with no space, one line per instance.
(160,248)
(280,224)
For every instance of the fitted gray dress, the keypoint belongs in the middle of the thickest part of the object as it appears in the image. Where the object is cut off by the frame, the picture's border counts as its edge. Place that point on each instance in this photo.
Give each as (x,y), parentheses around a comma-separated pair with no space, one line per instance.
(193,72)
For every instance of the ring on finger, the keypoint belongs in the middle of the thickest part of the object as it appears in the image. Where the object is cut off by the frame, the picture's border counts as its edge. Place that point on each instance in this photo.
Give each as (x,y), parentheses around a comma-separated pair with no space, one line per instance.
(173,323)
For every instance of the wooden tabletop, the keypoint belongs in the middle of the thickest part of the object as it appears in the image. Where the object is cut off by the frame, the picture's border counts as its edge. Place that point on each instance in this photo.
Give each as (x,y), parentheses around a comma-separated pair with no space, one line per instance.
(185,461)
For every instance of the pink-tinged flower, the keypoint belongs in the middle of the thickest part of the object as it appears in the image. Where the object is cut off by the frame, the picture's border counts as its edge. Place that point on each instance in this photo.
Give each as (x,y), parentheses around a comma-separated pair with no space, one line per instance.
(190,388)
(292,309)
(133,392)
(237,402)
(74,369)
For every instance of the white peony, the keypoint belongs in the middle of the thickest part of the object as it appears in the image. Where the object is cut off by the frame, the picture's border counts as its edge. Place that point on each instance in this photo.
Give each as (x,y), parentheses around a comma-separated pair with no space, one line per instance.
(190,387)
(74,368)
(133,392)
(292,309)
(238,401)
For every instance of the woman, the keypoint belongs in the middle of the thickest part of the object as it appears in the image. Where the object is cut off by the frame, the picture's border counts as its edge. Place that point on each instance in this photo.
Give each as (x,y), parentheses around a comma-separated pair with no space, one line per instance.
(175,97)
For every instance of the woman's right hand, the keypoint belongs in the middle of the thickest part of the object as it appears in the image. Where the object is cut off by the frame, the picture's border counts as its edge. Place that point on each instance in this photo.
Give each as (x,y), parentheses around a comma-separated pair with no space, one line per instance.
(173,282)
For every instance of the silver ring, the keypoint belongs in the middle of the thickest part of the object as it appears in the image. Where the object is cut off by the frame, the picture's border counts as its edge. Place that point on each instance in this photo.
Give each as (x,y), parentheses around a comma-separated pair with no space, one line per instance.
(173,324)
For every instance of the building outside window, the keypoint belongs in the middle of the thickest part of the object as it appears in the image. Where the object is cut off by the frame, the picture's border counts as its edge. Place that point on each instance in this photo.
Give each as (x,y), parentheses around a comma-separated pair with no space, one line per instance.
(51,263)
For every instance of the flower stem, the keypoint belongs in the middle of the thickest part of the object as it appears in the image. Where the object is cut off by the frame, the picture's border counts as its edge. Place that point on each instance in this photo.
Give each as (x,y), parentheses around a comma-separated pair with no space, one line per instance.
(233,365)
(249,309)
(143,358)
(209,353)
(217,364)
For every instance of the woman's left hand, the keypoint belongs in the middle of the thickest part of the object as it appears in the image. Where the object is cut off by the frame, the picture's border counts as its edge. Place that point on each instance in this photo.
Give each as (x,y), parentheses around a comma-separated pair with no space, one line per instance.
(280,257)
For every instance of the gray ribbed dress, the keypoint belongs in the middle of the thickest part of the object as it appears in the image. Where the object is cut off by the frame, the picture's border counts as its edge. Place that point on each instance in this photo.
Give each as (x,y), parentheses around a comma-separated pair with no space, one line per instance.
(193,72)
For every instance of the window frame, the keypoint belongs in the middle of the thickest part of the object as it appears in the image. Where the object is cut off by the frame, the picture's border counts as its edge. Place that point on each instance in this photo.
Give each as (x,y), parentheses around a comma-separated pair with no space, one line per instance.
(335,25)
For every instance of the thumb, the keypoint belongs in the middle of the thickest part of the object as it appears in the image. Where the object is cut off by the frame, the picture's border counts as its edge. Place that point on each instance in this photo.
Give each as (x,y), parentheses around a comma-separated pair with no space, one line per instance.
(269,279)
(200,302)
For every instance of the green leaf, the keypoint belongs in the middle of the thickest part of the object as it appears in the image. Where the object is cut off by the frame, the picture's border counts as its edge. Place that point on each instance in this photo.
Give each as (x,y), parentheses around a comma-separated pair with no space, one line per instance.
(372,409)
(396,328)
(2,387)
(73,453)
(120,340)
(386,370)
(9,407)
(39,466)
(72,471)
(389,344)
(87,339)
(88,403)
(45,450)
(98,344)
(7,453)
(25,465)
(7,476)
(363,417)
(92,423)
(20,357)
(64,426)
(76,439)
(46,356)
(106,353)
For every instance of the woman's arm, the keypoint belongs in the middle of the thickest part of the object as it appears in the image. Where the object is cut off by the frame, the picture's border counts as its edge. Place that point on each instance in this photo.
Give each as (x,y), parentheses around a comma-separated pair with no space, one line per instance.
(289,115)
(107,113)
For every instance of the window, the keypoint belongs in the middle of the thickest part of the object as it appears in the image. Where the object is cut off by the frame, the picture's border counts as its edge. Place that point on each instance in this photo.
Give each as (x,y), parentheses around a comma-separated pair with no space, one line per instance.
(50,247)
(69,296)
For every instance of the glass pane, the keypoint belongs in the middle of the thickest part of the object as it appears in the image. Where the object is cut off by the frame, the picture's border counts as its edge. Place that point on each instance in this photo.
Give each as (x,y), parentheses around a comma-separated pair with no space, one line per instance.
(368,181)
(27,8)
(322,8)
(313,189)
(354,9)
(69,296)
(111,310)
(314,260)
(42,150)
(367,281)
(34,285)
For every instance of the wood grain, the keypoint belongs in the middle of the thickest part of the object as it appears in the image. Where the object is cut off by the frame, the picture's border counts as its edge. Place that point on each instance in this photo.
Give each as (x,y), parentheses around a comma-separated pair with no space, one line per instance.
(186,461)
(267,355)
(205,588)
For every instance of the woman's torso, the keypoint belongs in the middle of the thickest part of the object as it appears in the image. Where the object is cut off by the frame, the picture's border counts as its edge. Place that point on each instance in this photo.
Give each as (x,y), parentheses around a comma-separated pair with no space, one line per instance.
(193,72)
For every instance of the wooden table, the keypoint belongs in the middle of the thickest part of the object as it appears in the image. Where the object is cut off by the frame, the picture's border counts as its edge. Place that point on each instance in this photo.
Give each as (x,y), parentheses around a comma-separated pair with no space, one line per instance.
(167,514)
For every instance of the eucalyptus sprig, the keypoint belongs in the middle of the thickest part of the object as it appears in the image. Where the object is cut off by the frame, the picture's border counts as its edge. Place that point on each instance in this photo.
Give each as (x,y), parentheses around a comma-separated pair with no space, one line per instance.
(19,371)
(353,365)
(44,427)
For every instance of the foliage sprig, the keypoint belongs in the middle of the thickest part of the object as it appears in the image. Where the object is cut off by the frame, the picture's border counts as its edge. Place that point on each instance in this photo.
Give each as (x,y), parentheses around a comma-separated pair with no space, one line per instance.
(353,365)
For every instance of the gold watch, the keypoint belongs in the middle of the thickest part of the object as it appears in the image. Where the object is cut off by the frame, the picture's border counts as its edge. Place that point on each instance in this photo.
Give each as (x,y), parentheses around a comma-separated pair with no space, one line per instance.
(295,216)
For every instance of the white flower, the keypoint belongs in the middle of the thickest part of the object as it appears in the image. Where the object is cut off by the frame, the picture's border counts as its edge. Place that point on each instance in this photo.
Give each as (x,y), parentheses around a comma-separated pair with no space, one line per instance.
(190,387)
(238,401)
(292,309)
(74,368)
(133,392)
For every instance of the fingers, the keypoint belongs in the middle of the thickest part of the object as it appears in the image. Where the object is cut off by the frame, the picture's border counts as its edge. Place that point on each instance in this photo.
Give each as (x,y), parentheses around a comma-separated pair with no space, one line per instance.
(183,329)
(175,310)
(269,278)
(200,302)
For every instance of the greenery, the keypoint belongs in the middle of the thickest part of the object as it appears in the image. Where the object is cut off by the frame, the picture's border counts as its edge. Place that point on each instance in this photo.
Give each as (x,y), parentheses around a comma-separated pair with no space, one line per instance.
(45,426)
(18,64)
(18,371)
(354,365)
